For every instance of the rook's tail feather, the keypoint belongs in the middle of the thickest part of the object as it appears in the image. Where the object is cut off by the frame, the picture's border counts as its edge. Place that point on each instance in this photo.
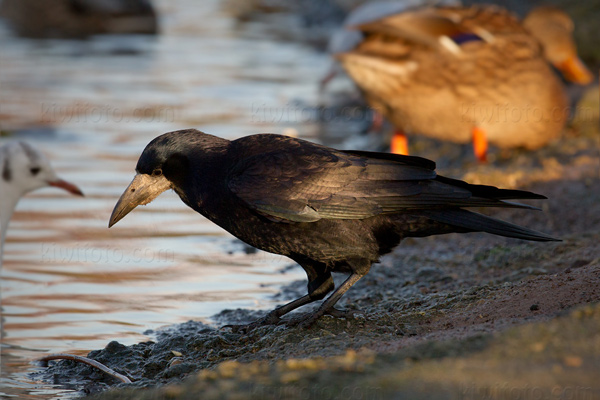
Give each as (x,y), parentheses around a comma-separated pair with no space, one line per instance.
(482,223)
(491,192)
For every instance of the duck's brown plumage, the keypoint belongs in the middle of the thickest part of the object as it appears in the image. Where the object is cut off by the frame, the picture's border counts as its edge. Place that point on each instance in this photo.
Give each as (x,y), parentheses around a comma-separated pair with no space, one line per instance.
(416,68)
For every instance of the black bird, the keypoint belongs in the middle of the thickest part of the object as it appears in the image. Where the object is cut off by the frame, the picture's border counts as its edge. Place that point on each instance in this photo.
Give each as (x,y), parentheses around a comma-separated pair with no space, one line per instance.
(328,210)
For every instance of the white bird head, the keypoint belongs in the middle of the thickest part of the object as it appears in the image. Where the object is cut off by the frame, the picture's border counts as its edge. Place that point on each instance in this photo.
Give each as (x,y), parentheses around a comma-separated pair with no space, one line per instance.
(23,168)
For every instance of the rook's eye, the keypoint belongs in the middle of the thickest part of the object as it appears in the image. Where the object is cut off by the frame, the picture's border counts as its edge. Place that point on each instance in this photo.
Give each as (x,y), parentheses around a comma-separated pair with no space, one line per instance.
(35,170)
(157,172)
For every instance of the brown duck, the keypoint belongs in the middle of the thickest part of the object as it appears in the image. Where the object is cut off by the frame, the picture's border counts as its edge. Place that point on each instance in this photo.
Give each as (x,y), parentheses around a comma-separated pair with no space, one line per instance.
(469,74)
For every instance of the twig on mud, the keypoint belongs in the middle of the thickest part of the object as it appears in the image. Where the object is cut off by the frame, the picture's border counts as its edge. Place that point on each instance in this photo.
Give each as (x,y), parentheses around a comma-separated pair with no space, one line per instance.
(88,361)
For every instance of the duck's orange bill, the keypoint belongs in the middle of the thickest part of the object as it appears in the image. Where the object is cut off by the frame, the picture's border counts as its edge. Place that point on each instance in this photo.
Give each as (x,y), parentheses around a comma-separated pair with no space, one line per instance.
(480,144)
(575,70)
(399,144)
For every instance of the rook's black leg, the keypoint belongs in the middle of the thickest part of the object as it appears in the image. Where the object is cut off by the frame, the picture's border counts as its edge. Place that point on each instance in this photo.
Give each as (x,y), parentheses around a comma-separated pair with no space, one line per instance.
(320,284)
(330,302)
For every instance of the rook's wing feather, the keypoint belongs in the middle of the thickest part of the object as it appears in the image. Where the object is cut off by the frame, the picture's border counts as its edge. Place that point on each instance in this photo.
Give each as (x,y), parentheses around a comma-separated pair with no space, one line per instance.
(305,182)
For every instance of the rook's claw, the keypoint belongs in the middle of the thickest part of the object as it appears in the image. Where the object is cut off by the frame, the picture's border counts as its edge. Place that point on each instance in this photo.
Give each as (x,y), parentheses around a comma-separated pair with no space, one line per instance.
(269,319)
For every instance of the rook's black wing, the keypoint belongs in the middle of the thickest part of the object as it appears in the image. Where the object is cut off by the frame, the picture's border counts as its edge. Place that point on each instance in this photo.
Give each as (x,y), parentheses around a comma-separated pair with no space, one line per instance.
(305,182)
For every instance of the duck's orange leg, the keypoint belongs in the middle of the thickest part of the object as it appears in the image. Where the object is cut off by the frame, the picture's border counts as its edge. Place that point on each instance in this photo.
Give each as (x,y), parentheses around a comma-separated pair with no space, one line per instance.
(480,144)
(399,144)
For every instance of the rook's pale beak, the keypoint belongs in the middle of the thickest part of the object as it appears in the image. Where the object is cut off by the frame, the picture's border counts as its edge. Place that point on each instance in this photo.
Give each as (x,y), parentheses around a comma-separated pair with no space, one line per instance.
(68,186)
(142,190)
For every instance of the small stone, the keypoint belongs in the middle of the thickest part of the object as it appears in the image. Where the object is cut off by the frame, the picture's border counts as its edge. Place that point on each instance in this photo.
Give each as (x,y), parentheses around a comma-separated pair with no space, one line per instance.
(538,347)
(289,377)
(172,391)
(534,307)
(429,274)
(573,361)
(114,346)
(228,369)
(175,361)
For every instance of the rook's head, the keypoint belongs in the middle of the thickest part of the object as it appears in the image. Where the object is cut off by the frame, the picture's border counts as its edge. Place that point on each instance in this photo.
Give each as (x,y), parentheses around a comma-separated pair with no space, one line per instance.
(164,164)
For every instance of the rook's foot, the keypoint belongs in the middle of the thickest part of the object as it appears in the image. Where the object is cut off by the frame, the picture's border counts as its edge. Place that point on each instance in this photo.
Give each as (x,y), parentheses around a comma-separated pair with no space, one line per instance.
(348,314)
(306,320)
(269,319)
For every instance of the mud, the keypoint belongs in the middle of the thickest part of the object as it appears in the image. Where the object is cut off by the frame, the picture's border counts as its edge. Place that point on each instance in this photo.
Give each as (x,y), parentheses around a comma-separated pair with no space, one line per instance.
(416,315)
(556,359)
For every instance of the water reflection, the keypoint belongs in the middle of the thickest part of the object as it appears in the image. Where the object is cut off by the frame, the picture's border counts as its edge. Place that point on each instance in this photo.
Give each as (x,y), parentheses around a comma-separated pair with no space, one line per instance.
(70,284)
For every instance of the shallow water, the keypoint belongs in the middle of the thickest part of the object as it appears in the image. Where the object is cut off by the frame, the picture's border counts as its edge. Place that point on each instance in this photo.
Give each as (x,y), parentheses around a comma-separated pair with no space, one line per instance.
(68,283)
